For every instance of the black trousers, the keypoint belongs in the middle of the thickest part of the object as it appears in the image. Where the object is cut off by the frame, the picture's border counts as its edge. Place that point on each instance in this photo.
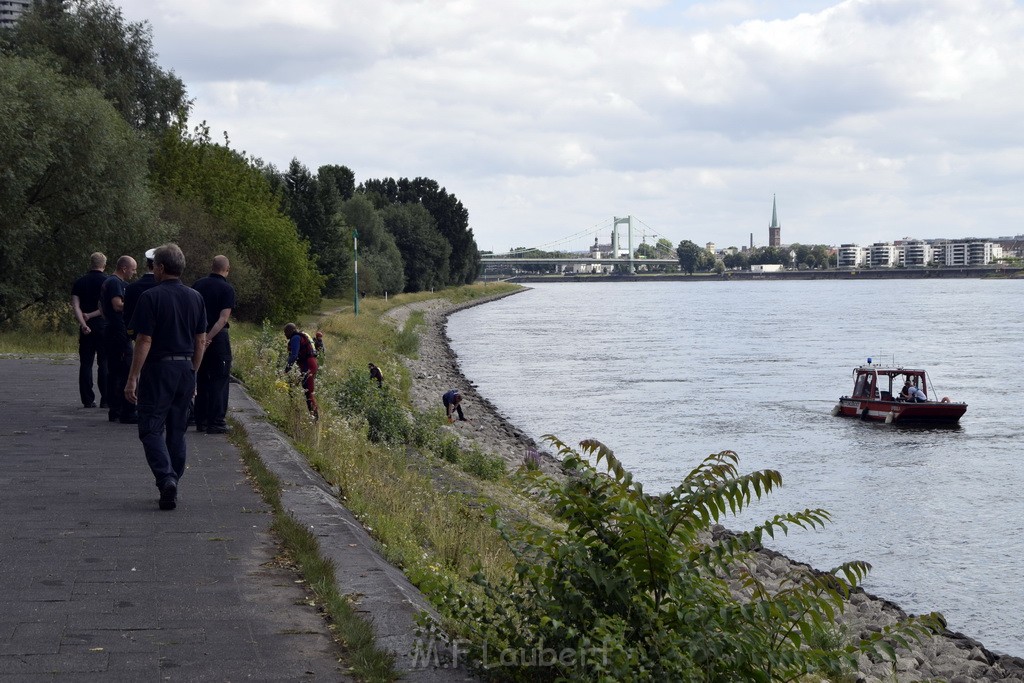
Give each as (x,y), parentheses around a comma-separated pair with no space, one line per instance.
(91,349)
(119,362)
(211,405)
(165,389)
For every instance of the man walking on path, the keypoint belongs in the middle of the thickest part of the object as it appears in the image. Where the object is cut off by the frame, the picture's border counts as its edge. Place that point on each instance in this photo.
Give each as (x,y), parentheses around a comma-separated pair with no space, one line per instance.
(116,344)
(211,404)
(170,329)
(99,585)
(85,302)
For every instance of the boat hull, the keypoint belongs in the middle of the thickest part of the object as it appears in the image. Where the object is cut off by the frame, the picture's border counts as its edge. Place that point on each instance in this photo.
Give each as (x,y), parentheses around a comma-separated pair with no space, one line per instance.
(901,412)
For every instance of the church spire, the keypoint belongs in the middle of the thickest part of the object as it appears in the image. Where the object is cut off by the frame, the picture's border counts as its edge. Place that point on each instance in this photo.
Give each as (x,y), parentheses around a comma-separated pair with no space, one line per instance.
(774,230)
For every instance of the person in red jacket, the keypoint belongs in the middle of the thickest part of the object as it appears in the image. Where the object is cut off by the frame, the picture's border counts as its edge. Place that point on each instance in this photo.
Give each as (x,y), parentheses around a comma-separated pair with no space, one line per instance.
(302,352)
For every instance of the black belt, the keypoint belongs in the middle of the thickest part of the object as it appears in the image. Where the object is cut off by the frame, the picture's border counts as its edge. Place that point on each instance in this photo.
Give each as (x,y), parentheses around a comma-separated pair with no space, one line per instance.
(176,358)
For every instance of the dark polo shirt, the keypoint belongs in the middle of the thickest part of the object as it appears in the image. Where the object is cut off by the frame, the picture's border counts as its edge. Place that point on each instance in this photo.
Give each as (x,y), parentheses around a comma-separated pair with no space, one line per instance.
(131,297)
(87,289)
(111,289)
(217,294)
(172,314)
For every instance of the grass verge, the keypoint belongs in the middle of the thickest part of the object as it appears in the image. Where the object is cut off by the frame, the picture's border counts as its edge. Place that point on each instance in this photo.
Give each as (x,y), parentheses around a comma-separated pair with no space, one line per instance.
(427,503)
(352,632)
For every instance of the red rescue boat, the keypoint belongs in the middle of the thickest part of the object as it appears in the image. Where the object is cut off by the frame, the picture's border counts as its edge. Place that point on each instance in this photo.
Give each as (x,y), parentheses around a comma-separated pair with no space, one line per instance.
(897,394)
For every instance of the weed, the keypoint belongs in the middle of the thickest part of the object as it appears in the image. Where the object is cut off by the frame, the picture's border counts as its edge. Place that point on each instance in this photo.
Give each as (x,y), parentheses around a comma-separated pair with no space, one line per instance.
(447,448)
(481,465)
(408,340)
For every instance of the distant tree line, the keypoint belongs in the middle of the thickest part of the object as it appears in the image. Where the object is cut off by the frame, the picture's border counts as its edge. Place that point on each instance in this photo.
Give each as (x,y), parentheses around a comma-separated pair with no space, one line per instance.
(96,154)
(696,259)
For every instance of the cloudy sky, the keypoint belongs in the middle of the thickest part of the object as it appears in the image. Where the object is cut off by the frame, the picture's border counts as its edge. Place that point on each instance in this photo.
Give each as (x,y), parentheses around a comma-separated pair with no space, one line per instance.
(868,119)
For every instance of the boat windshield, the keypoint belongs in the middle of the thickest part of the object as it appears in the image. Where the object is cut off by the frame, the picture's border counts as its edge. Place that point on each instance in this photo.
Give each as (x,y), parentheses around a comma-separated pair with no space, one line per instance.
(887,384)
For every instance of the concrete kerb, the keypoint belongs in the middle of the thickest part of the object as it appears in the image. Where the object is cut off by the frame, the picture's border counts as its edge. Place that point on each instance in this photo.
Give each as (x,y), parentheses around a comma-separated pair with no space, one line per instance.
(379,591)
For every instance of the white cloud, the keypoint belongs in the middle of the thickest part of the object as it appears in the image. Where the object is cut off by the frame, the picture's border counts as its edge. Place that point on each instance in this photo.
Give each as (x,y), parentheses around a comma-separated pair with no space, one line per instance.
(548,118)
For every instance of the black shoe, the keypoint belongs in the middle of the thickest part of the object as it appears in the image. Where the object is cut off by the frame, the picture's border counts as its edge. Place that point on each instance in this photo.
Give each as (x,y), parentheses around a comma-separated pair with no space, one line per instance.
(90,404)
(216,430)
(111,417)
(103,404)
(169,495)
(200,427)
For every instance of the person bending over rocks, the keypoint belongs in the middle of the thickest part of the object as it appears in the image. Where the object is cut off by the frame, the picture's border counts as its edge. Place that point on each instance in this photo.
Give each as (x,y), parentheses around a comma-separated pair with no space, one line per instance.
(452,401)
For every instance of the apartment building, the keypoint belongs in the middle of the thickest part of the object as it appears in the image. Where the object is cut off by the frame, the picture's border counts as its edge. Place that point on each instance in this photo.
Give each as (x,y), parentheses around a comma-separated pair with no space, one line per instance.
(11,10)
(915,253)
(919,253)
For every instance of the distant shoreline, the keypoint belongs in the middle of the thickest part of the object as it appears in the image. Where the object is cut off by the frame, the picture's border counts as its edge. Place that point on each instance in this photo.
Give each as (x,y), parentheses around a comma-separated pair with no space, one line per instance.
(1003,273)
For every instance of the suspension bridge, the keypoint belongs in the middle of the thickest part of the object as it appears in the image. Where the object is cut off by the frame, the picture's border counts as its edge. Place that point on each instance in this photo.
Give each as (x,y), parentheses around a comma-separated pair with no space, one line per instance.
(566,255)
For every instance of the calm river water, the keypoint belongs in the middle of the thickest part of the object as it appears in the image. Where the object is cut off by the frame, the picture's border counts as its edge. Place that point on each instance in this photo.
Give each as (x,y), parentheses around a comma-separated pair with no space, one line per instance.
(666,373)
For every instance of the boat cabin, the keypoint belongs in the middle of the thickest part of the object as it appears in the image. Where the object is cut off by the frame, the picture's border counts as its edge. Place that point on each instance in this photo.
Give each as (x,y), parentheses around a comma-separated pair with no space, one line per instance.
(886,384)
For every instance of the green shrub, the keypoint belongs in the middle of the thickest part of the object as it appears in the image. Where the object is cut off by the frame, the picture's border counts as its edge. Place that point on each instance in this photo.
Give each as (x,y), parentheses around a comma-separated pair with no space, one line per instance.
(481,465)
(632,587)
(426,428)
(385,417)
(407,341)
(447,448)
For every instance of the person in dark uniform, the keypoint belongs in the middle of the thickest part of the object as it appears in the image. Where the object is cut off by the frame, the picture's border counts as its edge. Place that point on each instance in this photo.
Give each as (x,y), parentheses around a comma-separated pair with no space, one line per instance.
(211,405)
(133,291)
(452,401)
(376,374)
(170,339)
(116,343)
(302,352)
(85,302)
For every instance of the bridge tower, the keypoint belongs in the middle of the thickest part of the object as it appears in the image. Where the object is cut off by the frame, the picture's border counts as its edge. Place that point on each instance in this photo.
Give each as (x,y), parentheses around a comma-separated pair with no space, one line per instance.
(616,221)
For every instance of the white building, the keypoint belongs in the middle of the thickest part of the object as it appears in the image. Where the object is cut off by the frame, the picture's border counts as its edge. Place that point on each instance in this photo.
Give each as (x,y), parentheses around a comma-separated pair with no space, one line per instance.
(963,252)
(882,255)
(851,256)
(766,268)
(10,10)
(919,253)
(915,253)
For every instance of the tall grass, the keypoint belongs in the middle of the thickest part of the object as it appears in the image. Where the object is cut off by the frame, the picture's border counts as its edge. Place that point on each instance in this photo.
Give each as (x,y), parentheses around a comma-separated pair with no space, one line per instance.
(426,527)
(37,334)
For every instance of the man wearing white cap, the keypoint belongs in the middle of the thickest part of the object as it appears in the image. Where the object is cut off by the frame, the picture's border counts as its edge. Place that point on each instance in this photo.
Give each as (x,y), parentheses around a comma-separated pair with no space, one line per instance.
(135,290)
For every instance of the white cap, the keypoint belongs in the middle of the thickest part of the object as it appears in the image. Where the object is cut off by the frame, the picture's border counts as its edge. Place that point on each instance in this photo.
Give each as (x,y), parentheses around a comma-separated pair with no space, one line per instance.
(151,253)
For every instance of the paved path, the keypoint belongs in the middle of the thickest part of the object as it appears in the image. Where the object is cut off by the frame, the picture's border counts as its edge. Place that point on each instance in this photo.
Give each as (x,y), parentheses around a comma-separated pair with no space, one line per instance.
(96,583)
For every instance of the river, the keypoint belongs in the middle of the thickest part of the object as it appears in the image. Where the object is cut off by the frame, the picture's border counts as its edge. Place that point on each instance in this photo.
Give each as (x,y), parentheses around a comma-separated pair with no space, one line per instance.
(667,373)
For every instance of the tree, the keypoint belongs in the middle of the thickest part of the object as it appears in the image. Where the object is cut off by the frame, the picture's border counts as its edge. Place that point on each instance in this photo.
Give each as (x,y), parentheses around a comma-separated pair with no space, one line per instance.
(89,40)
(645,251)
(235,192)
(72,181)
(451,219)
(693,257)
(380,262)
(340,178)
(314,205)
(424,250)
(736,260)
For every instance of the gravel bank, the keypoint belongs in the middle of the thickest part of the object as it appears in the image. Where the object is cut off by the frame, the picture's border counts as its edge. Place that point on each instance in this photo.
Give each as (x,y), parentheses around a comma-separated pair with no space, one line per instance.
(951,657)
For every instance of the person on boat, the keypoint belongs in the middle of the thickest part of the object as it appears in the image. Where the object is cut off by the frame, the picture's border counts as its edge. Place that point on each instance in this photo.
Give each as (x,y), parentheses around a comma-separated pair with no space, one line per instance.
(905,393)
(917,395)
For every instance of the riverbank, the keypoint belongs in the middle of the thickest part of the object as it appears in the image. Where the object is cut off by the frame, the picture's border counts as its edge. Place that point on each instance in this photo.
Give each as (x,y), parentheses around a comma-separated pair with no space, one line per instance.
(977,272)
(952,657)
